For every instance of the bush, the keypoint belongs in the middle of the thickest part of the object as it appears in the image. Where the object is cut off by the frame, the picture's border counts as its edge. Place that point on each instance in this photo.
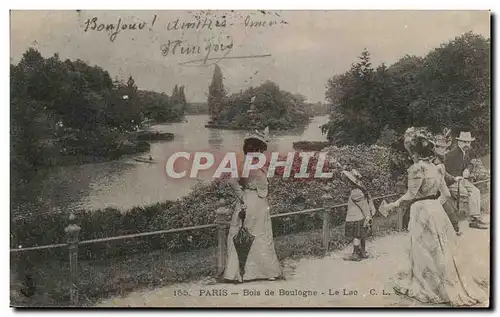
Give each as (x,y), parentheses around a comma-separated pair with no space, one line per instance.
(310,145)
(389,137)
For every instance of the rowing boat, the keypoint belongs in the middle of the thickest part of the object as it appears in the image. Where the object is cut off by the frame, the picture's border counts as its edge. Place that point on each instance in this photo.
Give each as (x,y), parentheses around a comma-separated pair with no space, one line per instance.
(145,160)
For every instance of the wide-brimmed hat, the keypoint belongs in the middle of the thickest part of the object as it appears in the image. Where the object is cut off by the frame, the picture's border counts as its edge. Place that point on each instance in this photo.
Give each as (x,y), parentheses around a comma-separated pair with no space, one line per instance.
(441,140)
(465,136)
(413,135)
(354,176)
(258,135)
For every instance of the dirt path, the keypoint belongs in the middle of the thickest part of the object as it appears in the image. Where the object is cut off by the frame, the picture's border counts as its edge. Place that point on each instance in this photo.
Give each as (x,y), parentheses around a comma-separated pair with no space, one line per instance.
(327,276)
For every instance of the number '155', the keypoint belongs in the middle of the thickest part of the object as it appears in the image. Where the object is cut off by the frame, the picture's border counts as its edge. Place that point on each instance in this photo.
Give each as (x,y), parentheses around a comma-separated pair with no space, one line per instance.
(181,293)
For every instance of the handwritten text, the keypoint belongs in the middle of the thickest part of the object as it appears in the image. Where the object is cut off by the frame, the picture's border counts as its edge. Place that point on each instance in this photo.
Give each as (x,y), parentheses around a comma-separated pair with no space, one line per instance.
(196,24)
(93,24)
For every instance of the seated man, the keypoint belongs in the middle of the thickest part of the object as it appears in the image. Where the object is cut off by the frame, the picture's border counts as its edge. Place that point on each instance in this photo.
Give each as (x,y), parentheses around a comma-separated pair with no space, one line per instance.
(440,146)
(457,163)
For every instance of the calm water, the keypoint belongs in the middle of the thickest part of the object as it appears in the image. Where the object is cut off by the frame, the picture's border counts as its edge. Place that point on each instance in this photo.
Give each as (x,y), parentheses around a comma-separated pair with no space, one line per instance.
(126,183)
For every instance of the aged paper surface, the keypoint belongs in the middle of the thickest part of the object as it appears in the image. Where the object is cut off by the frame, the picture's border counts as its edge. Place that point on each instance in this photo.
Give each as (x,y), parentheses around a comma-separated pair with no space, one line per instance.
(250,158)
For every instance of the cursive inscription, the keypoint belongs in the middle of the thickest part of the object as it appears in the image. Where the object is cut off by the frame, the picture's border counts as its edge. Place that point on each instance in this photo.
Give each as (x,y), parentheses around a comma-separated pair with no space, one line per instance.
(261,23)
(196,24)
(93,24)
(209,50)
(179,47)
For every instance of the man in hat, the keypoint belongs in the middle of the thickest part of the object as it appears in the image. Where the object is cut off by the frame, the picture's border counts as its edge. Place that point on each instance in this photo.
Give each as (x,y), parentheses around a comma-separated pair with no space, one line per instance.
(457,163)
(441,145)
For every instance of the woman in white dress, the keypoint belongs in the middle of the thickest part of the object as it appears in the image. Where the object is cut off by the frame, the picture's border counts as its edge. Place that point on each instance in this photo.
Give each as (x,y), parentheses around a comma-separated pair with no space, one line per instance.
(434,272)
(262,261)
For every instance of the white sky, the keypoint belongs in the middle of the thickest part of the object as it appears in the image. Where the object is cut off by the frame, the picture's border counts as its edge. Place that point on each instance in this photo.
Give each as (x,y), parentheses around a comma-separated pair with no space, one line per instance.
(312,47)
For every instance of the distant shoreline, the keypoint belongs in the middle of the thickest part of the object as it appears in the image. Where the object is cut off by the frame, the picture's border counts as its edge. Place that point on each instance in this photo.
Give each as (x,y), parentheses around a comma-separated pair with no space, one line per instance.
(212,125)
(228,127)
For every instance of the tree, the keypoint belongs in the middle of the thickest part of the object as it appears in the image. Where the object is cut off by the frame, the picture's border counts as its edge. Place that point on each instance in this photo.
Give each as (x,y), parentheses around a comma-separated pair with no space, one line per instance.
(159,106)
(124,111)
(182,99)
(175,95)
(334,92)
(355,94)
(216,93)
(406,88)
(449,87)
(131,88)
(182,96)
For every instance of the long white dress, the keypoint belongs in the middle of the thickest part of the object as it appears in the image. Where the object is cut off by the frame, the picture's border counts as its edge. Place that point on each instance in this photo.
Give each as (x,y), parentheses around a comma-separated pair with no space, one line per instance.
(262,261)
(434,272)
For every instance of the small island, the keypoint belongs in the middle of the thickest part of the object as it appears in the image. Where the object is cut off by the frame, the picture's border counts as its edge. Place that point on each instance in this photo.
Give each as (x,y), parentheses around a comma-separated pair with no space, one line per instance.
(255,107)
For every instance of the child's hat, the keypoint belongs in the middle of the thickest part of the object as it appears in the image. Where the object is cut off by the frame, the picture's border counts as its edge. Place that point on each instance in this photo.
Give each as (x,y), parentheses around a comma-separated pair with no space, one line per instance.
(354,176)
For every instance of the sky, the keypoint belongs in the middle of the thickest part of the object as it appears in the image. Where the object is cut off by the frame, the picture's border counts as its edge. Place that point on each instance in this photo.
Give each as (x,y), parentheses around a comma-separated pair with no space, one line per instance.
(301,49)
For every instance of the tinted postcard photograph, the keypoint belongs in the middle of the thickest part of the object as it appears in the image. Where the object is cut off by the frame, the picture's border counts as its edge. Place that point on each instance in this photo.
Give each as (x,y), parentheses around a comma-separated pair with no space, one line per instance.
(261,158)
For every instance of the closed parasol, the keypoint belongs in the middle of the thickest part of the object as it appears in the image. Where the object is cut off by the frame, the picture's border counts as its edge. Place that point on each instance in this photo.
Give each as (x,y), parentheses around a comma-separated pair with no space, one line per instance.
(243,241)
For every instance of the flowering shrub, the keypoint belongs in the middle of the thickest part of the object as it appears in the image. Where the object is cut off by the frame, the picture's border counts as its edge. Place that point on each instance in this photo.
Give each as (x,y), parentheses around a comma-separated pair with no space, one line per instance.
(312,165)
(479,172)
(379,166)
(310,145)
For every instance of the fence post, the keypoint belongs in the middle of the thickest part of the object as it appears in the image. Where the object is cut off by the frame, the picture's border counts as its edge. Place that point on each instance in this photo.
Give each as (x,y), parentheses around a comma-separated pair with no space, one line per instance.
(72,232)
(327,200)
(221,212)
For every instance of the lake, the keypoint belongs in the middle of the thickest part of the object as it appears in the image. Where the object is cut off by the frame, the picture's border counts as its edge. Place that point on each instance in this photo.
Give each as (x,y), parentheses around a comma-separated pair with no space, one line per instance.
(126,183)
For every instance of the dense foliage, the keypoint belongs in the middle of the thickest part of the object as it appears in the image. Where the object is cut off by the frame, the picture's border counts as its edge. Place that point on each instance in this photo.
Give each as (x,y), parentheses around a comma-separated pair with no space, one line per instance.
(317,109)
(216,92)
(449,87)
(197,108)
(255,107)
(160,107)
(67,112)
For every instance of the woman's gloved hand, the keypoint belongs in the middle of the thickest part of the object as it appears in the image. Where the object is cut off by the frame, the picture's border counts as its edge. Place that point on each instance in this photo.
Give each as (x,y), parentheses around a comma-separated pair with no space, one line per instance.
(368,222)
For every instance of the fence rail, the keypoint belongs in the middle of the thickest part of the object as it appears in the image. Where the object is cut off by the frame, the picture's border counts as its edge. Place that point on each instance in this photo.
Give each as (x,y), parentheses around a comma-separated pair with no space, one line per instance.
(73,230)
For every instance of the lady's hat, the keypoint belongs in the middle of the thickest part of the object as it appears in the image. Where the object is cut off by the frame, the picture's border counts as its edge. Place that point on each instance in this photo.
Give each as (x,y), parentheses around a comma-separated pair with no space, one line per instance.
(354,176)
(258,135)
(466,137)
(441,140)
(414,135)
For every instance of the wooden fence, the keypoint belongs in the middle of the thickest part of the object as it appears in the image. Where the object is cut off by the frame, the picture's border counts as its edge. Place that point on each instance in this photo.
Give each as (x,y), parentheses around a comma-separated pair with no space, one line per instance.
(72,231)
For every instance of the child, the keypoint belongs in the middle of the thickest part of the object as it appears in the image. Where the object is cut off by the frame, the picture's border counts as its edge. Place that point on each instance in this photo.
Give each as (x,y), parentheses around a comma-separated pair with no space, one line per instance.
(360,210)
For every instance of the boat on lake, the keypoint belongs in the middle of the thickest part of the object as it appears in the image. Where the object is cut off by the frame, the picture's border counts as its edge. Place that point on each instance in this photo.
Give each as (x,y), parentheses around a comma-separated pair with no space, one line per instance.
(145,160)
